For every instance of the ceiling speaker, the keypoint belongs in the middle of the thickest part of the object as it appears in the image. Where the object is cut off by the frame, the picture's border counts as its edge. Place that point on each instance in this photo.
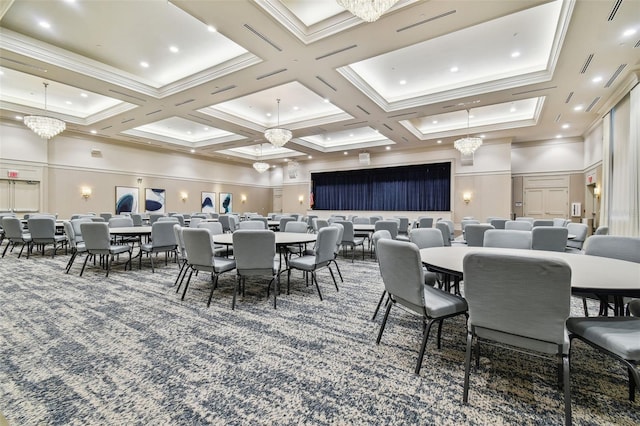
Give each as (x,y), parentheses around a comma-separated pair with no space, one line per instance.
(364,158)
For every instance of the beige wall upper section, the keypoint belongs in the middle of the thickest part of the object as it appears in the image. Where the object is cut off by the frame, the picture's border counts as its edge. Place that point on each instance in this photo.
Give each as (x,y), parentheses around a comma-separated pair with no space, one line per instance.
(593,147)
(547,157)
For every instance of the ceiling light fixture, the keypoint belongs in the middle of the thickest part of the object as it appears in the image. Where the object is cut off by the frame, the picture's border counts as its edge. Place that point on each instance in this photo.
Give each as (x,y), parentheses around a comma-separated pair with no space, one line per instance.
(367,10)
(43,126)
(259,165)
(468,145)
(278,136)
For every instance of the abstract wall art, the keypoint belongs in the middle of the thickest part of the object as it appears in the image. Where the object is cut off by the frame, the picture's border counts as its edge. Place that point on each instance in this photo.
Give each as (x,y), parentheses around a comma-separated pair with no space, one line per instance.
(208,202)
(126,199)
(226,202)
(154,200)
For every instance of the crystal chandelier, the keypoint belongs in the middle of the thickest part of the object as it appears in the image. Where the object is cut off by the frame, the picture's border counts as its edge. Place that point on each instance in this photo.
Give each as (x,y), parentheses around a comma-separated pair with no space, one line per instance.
(467,145)
(43,126)
(278,136)
(260,165)
(367,10)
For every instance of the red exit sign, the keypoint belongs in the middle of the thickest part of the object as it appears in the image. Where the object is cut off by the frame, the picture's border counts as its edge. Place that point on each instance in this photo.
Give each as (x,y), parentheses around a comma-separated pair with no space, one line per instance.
(12,174)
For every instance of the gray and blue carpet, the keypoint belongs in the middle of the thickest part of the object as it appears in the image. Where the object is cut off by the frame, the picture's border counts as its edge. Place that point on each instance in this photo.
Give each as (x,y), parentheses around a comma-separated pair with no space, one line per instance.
(126,350)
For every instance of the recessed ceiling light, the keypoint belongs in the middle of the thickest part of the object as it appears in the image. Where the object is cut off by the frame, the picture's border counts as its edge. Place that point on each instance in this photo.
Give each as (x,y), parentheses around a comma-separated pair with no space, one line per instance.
(471,116)
(387,148)
(629,32)
(84,95)
(434,122)
(44,24)
(515,54)
(326,101)
(309,157)
(211,29)
(439,141)
(454,69)
(483,136)
(19,117)
(268,114)
(286,160)
(93,132)
(144,64)
(206,129)
(328,138)
(565,126)
(295,108)
(512,109)
(578,108)
(596,79)
(346,152)
(193,150)
(188,132)
(558,136)
(403,82)
(350,135)
(173,49)
(1,72)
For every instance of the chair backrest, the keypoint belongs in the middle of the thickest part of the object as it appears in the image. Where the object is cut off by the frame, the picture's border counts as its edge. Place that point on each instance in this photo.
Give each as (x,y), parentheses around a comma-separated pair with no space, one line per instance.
(425,222)
(507,238)
(177,232)
(252,224)
(194,221)
(12,227)
(224,220)
(261,219)
(528,219)
(96,237)
(550,238)
(153,217)
(233,223)
(580,232)
(326,244)
(283,222)
(402,273)
(362,220)
(348,234)
(41,228)
(120,222)
(445,231)
(295,226)
(320,223)
(498,223)
(254,251)
(389,225)
(426,237)
(602,230)
(167,219)
(374,219)
(613,246)
(68,231)
(560,221)
(543,222)
(77,231)
(197,244)
(137,219)
(403,226)
(380,235)
(518,225)
(465,222)
(518,296)
(340,235)
(162,234)
(98,219)
(214,228)
(106,216)
(179,217)
(474,234)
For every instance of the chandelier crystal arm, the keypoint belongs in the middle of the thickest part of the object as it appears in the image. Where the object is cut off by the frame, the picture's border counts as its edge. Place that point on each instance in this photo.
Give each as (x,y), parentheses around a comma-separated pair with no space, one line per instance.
(278,136)
(367,10)
(468,145)
(43,126)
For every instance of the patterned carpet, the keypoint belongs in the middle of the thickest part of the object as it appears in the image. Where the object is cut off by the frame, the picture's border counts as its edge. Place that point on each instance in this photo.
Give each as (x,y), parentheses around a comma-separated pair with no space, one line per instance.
(126,350)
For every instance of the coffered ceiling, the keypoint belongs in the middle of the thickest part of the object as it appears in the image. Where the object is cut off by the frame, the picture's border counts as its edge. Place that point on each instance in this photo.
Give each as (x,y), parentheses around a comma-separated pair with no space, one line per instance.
(205,76)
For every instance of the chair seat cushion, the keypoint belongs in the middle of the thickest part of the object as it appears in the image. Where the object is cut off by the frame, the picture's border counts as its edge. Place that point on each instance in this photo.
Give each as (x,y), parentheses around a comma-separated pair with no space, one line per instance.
(223,264)
(620,335)
(116,249)
(305,263)
(403,238)
(440,303)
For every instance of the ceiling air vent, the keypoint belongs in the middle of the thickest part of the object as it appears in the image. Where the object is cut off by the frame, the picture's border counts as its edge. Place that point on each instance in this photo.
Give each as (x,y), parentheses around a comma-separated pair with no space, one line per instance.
(184,102)
(433,18)
(364,158)
(616,6)
(566,101)
(265,39)
(637,44)
(335,52)
(534,90)
(354,124)
(260,77)
(586,64)
(558,117)
(388,127)
(363,110)
(105,128)
(326,84)
(223,89)
(127,95)
(153,112)
(593,103)
(615,75)
(127,120)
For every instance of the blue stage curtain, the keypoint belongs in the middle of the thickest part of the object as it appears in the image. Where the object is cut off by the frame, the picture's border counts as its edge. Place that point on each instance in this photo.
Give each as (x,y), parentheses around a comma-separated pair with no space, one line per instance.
(425,187)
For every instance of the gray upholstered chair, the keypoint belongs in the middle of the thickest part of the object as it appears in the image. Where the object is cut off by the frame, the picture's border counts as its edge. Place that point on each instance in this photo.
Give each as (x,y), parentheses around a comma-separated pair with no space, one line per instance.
(575,244)
(97,241)
(446,234)
(77,231)
(543,222)
(618,337)
(474,234)
(521,302)
(254,252)
(76,247)
(200,257)
(403,225)
(560,221)
(173,219)
(403,277)
(602,230)
(451,228)
(504,238)
(195,221)
(322,257)
(528,219)
(262,219)
(293,226)
(549,238)
(425,222)
(349,238)
(251,224)
(106,216)
(43,232)
(224,220)
(123,222)
(283,222)
(465,222)
(163,240)
(518,225)
(181,255)
(498,223)
(389,225)
(15,235)
(137,219)
(215,228)
(153,217)
(382,234)
(425,238)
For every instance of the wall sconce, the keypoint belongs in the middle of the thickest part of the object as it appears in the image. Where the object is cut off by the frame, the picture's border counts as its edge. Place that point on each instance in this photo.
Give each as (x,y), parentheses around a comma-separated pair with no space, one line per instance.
(466,197)
(86,192)
(243,198)
(596,191)
(184,196)
(301,199)
(139,180)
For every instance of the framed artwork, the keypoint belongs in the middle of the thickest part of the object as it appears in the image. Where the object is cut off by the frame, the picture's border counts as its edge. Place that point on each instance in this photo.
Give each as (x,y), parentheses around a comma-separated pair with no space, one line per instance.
(126,199)
(208,202)
(154,200)
(226,202)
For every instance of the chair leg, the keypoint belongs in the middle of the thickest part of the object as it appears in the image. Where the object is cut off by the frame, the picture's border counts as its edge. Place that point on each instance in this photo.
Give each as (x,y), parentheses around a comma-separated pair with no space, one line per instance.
(235,292)
(467,368)
(108,264)
(85,263)
(384,293)
(634,382)
(384,323)
(425,337)
(5,248)
(186,286)
(333,278)
(567,389)
(338,269)
(182,268)
(440,333)
(214,284)
(315,279)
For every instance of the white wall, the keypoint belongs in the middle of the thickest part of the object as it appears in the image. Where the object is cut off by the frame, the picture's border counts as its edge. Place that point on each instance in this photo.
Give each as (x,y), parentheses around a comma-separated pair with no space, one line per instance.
(593,147)
(554,156)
